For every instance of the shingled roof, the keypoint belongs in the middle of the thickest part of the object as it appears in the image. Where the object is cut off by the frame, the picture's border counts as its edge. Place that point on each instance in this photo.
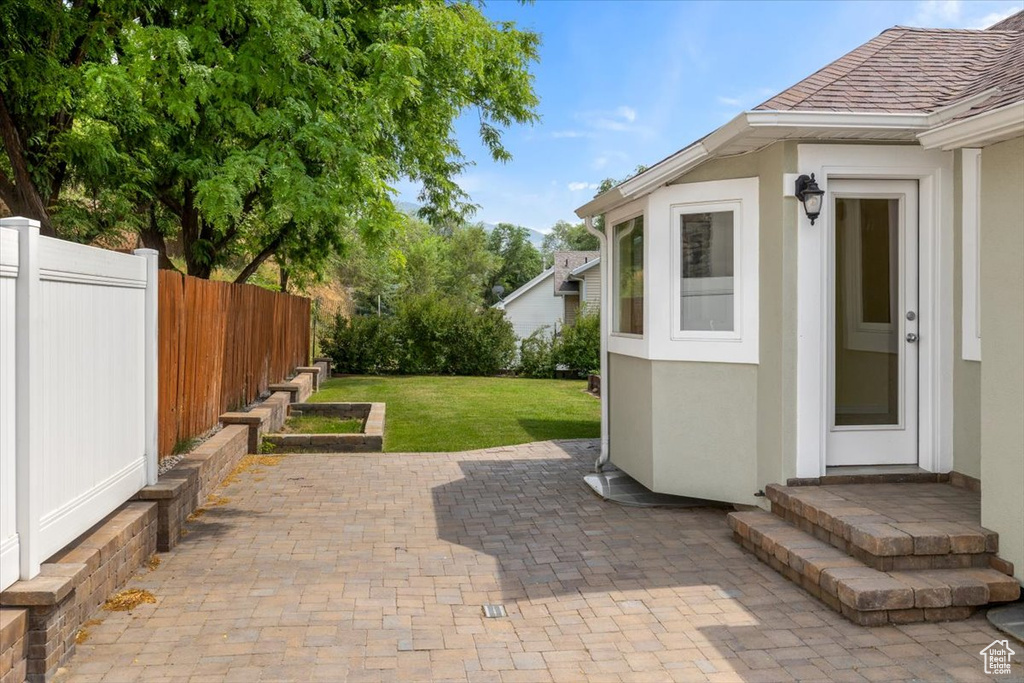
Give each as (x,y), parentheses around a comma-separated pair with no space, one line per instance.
(916,70)
(565,263)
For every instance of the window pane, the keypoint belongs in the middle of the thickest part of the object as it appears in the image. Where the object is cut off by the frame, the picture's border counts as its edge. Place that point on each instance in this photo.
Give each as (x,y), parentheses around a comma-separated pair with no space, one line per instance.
(706,300)
(629,276)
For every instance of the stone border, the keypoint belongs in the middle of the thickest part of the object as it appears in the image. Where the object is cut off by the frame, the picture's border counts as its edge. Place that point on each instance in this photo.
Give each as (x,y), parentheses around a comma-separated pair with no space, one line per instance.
(370,440)
(76,581)
(13,645)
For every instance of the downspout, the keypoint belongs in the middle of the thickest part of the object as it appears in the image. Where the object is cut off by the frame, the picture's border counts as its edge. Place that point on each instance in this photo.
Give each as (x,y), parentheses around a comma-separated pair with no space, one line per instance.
(588,222)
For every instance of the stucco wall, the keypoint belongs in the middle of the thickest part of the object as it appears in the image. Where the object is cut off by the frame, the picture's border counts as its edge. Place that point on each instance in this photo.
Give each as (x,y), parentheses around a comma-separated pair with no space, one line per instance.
(705,418)
(966,373)
(629,411)
(1002,347)
(775,375)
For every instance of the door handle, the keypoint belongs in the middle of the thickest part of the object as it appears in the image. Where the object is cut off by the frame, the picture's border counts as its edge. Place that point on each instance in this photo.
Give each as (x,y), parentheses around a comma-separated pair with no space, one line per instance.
(911,337)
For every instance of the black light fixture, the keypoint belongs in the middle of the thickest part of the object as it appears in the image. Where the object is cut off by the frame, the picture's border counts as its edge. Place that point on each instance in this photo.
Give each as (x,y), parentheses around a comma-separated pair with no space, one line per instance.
(809,194)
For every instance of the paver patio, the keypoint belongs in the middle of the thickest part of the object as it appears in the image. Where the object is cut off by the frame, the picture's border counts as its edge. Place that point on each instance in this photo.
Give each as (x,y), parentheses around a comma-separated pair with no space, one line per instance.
(375,567)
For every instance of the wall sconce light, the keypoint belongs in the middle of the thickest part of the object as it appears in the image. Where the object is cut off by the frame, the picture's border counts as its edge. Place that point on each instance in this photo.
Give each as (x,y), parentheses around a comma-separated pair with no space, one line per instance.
(809,194)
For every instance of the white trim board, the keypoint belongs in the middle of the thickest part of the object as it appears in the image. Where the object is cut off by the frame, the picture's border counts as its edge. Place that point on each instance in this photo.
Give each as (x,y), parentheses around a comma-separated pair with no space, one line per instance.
(933,171)
(970,259)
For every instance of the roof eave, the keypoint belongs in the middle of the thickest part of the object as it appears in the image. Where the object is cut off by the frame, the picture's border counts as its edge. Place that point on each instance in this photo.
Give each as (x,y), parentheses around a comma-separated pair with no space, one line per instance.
(785,122)
(978,130)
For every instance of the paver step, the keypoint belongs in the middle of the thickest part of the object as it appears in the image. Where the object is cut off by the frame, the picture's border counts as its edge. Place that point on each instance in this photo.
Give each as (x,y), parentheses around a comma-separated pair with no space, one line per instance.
(865,595)
(879,540)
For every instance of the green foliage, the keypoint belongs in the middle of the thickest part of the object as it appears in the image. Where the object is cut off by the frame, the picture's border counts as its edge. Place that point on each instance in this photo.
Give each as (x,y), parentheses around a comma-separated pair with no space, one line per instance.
(566,236)
(251,130)
(536,357)
(520,260)
(578,348)
(428,334)
(419,260)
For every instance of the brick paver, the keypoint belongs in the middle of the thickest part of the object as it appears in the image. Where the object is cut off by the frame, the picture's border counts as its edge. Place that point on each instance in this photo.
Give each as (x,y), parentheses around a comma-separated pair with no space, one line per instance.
(375,567)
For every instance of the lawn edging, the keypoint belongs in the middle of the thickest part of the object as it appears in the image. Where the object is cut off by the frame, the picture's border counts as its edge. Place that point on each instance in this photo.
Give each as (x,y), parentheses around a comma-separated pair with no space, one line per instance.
(369,440)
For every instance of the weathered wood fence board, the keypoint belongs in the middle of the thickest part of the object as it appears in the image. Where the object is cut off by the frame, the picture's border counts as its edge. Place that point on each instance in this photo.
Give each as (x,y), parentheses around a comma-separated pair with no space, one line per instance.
(221,346)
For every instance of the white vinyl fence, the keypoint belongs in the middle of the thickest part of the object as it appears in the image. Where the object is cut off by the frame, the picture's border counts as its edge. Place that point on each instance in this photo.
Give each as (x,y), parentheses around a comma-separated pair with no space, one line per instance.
(78,389)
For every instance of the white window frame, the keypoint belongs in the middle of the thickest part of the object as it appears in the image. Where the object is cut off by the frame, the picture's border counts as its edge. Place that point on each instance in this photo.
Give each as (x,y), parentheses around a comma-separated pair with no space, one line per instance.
(667,340)
(970,271)
(678,333)
(626,343)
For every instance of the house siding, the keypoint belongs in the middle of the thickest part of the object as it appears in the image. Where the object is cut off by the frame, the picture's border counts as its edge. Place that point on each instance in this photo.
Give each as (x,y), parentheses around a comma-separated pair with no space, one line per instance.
(1002,329)
(772,456)
(629,411)
(966,374)
(590,289)
(706,440)
(535,309)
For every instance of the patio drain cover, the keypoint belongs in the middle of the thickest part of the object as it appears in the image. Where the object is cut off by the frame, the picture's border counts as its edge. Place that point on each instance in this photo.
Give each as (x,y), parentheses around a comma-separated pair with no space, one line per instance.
(494,611)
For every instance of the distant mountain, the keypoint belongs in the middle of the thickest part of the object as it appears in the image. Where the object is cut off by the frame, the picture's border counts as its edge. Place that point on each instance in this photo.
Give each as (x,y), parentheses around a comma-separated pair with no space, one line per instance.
(411,209)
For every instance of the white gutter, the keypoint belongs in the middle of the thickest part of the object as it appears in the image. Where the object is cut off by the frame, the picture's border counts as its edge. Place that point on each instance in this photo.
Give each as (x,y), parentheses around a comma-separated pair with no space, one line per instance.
(976,131)
(606,299)
(787,123)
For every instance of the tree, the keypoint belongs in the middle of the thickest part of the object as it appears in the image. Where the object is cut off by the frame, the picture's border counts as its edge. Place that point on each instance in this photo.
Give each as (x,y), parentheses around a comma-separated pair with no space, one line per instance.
(520,260)
(48,49)
(420,260)
(566,236)
(258,130)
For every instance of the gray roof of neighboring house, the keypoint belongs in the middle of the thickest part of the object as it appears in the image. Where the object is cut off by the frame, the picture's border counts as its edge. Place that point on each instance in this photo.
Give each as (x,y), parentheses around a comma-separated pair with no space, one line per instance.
(916,70)
(565,263)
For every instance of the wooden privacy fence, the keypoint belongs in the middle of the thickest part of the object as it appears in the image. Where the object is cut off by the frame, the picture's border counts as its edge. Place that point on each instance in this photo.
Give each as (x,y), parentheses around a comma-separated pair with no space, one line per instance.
(221,346)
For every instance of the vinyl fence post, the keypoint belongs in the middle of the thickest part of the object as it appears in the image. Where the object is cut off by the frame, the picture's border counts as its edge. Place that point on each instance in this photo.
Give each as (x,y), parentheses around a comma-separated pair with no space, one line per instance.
(152,356)
(28,394)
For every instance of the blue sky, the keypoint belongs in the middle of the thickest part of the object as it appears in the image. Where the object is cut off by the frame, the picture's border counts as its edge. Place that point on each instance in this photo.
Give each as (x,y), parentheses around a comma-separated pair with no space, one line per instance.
(623,83)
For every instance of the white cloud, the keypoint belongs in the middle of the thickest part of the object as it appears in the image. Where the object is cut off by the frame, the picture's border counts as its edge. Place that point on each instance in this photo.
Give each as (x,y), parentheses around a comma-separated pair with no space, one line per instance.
(559,134)
(730,101)
(576,187)
(993,18)
(622,119)
(937,12)
(627,113)
(959,14)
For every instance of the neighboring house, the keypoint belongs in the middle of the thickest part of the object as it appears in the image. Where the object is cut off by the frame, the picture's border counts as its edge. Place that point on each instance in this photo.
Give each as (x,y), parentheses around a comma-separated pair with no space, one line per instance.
(556,296)
(745,345)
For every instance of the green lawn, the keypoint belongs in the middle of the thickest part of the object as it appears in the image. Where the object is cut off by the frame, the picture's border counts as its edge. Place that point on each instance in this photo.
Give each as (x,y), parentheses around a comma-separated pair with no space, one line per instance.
(321,424)
(462,413)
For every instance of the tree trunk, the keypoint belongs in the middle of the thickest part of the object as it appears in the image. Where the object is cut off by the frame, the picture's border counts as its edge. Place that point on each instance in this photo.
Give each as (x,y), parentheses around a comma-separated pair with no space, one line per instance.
(267,252)
(284,279)
(20,194)
(191,229)
(152,238)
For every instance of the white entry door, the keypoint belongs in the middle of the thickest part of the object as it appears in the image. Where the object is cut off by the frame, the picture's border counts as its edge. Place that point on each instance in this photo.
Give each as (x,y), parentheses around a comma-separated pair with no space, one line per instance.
(873,322)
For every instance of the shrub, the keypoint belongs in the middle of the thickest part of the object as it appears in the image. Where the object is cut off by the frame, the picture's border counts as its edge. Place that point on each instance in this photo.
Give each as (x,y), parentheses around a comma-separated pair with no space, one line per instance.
(578,349)
(428,334)
(364,344)
(535,355)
